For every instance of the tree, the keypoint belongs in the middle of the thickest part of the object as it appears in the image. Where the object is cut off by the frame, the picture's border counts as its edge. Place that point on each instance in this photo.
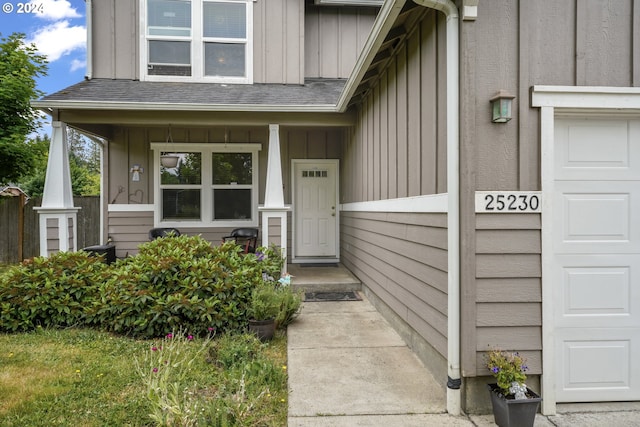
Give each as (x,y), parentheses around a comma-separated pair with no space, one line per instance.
(20,65)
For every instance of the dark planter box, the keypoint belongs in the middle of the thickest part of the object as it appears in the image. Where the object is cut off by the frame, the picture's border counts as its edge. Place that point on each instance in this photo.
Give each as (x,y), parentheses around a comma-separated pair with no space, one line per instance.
(511,412)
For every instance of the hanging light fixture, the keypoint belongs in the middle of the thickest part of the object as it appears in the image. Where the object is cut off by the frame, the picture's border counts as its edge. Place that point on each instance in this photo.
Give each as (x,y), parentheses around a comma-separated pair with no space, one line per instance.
(169,160)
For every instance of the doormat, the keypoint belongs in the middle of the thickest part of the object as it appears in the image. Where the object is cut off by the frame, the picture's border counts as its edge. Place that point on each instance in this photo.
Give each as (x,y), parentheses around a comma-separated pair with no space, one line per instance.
(331,296)
(320,264)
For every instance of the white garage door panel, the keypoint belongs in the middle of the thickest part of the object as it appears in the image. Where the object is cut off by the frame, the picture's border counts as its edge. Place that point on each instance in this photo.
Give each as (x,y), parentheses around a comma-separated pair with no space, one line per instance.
(596,288)
(597,149)
(597,363)
(595,271)
(597,216)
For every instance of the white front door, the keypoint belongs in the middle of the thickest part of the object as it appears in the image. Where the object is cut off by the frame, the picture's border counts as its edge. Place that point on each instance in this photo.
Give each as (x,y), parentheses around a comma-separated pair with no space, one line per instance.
(595,271)
(315,210)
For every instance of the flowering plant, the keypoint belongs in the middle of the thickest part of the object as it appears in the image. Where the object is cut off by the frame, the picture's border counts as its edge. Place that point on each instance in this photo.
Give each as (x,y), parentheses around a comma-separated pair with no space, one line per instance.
(508,368)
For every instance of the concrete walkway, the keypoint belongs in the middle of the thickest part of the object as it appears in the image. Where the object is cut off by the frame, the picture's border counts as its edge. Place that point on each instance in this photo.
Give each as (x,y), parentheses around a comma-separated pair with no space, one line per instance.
(347,367)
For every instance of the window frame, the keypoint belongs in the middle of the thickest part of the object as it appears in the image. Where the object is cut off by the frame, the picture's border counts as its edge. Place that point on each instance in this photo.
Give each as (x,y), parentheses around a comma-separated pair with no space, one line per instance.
(197,41)
(206,187)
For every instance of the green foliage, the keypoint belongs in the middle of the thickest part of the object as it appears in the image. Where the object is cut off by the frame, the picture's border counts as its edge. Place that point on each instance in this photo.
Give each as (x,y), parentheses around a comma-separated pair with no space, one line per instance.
(265,302)
(173,282)
(82,377)
(166,370)
(51,292)
(290,303)
(254,383)
(506,369)
(178,281)
(230,350)
(20,65)
(271,261)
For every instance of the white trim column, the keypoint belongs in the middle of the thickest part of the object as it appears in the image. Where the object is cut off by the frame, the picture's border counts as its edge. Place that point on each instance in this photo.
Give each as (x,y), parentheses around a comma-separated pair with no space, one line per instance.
(58,216)
(274,207)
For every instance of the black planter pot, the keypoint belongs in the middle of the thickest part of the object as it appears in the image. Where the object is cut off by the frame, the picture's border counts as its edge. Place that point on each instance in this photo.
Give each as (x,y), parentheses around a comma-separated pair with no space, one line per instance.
(512,412)
(264,329)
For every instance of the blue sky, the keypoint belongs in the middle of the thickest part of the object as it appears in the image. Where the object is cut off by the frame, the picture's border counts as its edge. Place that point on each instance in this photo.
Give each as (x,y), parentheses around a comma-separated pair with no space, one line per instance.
(58,29)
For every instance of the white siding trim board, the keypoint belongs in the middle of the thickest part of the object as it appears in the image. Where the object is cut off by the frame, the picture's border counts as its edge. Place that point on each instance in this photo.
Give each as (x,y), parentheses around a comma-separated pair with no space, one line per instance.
(434,203)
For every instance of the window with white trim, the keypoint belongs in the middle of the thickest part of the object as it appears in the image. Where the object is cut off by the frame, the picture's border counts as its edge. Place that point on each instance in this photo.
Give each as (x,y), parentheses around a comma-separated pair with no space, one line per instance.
(197,40)
(210,185)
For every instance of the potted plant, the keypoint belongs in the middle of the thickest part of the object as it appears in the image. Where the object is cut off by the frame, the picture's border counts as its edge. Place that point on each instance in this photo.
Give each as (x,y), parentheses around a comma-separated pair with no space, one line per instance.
(263,310)
(514,404)
(290,304)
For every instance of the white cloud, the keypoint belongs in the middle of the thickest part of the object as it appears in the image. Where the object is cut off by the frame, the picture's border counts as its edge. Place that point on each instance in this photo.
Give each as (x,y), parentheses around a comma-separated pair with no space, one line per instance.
(54,10)
(77,64)
(59,39)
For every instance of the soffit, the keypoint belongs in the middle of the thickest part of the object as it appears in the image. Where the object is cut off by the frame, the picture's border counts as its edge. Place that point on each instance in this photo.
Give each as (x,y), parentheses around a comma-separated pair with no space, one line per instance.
(404,25)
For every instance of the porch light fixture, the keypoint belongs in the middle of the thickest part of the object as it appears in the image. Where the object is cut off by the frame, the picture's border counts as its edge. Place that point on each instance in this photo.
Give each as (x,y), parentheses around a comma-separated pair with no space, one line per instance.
(501,106)
(169,160)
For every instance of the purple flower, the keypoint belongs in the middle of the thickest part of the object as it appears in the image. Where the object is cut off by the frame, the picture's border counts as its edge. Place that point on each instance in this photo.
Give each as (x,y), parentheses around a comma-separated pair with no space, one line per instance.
(211,329)
(495,369)
(169,335)
(190,337)
(155,370)
(259,255)
(154,348)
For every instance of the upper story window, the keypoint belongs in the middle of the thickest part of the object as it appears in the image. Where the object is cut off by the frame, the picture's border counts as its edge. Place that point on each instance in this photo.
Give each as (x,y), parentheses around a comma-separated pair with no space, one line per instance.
(197,40)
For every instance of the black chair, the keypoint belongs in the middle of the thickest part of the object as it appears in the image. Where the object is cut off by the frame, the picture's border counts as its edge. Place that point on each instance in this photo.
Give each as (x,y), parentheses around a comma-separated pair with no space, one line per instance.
(155,233)
(246,237)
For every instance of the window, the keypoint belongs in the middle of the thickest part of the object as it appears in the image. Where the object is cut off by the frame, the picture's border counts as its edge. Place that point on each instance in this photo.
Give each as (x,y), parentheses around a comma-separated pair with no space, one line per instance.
(211,185)
(198,40)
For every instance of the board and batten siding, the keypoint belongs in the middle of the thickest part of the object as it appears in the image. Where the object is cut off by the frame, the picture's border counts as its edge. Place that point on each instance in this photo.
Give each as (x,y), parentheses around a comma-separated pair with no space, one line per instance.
(402,259)
(115,39)
(291,40)
(333,38)
(398,146)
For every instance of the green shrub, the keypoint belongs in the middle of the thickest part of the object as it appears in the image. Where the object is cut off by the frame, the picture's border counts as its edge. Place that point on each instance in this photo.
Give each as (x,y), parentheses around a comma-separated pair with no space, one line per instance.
(290,305)
(49,292)
(265,304)
(178,282)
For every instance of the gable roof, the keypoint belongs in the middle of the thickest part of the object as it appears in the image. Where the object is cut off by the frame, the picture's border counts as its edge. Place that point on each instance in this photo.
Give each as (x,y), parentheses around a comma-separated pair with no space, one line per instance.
(314,95)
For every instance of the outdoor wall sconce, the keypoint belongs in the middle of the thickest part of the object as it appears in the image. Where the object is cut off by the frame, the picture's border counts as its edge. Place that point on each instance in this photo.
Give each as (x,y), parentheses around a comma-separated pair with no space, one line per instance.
(501,106)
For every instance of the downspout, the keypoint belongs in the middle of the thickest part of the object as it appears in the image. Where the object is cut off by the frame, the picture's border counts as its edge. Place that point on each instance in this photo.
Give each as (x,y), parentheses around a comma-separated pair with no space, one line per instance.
(454,380)
(89,21)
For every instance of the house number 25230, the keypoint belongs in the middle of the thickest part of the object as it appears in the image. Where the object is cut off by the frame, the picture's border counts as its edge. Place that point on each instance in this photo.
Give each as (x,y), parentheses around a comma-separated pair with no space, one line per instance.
(508,201)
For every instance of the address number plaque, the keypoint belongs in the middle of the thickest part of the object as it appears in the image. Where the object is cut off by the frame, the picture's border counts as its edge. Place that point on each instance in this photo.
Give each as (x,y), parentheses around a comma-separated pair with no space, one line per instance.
(508,201)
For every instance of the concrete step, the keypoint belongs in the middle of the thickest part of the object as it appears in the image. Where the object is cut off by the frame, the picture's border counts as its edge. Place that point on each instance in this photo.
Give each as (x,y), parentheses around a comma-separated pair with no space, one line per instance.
(323,279)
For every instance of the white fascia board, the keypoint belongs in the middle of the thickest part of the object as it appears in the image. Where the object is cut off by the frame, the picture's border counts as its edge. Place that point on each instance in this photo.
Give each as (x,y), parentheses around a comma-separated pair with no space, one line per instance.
(47,106)
(376,3)
(586,97)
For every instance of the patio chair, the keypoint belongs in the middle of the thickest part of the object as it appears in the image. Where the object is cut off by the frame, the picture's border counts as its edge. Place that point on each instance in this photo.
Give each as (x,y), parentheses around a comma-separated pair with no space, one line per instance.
(246,237)
(155,233)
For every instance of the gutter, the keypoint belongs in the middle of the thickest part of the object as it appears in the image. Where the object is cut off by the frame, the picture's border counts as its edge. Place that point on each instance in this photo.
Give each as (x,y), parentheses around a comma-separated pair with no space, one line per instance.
(89,18)
(454,380)
(48,106)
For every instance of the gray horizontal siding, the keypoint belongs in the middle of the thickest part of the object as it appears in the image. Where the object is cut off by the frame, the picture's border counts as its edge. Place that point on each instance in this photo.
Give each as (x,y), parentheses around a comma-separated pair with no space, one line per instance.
(402,259)
(508,306)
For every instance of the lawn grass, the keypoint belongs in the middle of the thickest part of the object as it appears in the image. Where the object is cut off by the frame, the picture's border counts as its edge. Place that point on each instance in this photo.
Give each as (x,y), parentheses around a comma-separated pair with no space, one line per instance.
(82,377)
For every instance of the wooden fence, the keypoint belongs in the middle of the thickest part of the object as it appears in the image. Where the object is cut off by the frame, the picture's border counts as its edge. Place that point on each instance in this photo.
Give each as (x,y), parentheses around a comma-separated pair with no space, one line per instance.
(10,247)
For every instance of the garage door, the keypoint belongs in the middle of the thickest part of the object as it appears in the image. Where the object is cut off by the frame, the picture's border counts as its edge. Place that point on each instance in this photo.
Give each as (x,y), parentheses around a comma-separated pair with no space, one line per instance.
(596,259)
